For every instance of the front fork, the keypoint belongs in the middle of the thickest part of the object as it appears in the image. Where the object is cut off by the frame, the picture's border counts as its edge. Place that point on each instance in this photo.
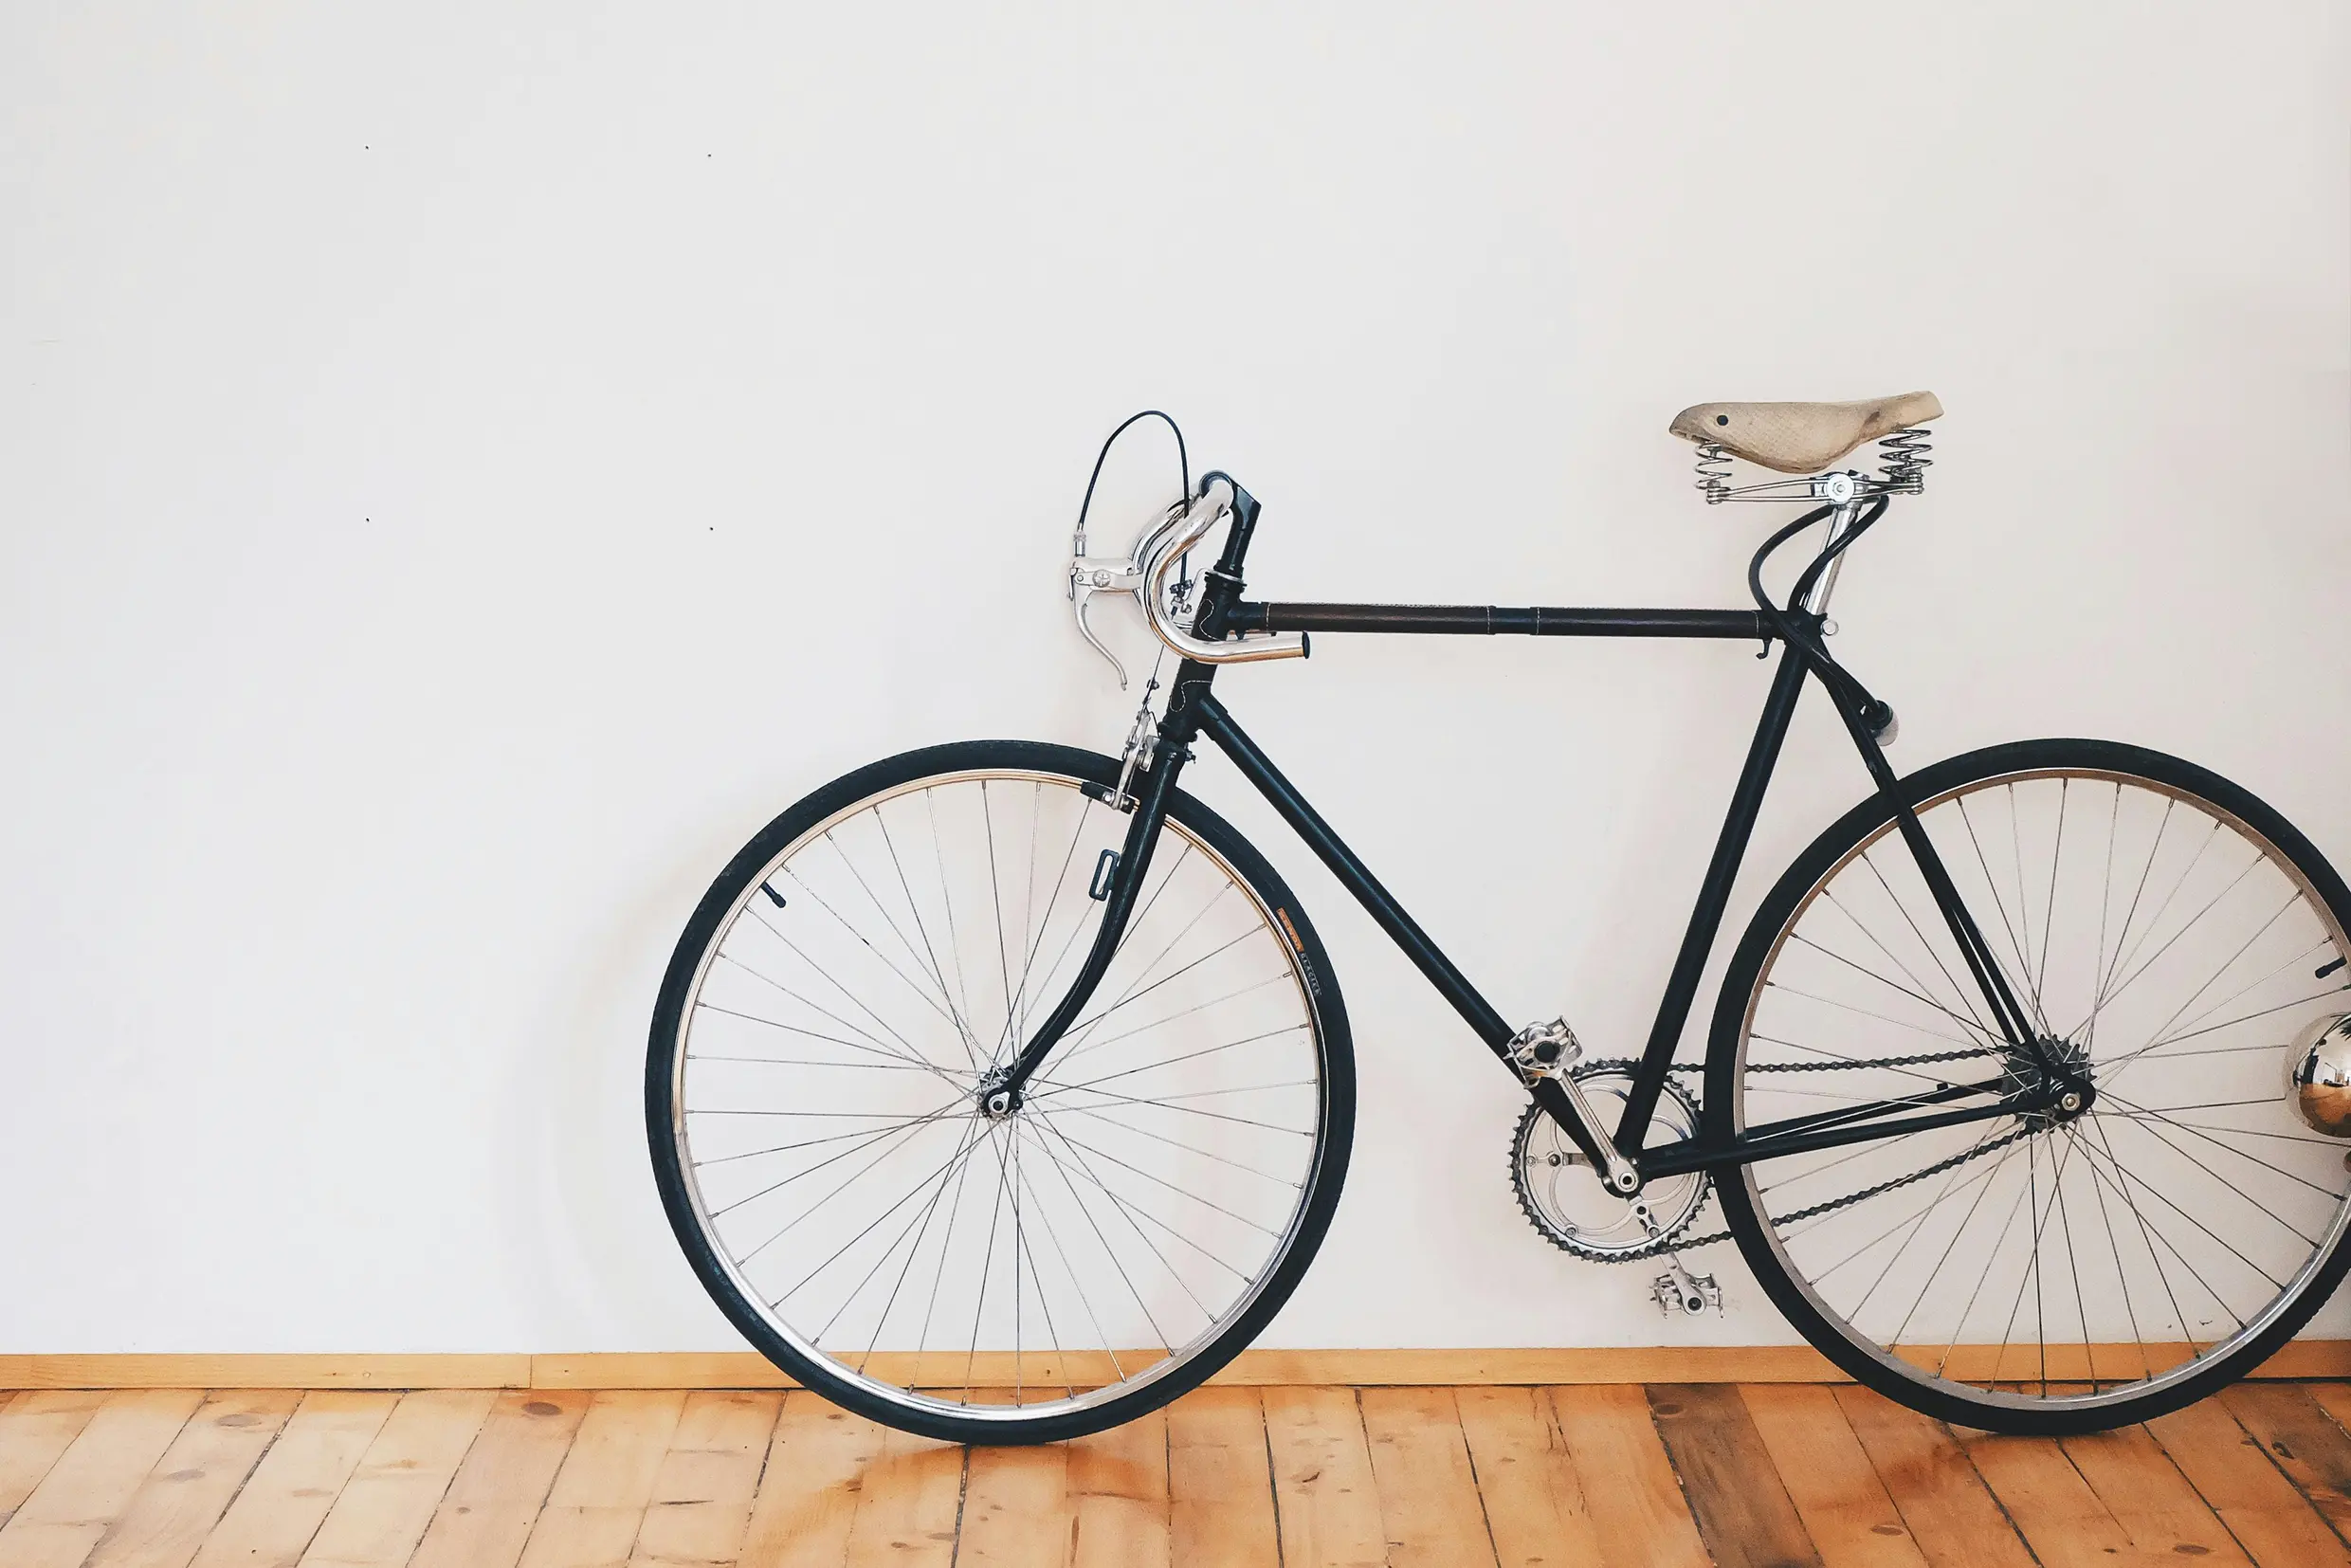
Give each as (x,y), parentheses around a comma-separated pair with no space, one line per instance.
(1000,1092)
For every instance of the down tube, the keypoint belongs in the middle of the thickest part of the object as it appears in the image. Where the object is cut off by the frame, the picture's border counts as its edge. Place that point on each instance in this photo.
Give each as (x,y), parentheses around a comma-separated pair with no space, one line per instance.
(1714,896)
(1402,929)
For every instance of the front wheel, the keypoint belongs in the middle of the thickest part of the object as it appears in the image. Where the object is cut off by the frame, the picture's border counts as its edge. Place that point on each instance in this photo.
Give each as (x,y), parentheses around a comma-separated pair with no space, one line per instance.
(814,1097)
(2169,937)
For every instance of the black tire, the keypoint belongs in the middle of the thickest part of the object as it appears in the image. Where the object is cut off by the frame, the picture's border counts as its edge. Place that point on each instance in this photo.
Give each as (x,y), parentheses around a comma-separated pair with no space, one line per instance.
(1948,1400)
(1098,775)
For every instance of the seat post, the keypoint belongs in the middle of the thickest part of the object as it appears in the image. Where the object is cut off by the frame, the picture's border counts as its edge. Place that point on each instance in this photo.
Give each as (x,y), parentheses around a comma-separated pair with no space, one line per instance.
(1816,602)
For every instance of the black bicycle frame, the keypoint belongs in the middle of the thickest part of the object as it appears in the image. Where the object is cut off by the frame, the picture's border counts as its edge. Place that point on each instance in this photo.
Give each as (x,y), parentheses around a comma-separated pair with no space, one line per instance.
(1194,711)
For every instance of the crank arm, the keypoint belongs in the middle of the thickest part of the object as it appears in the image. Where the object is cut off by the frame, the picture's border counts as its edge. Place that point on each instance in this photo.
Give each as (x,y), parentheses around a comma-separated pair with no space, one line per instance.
(1564,1100)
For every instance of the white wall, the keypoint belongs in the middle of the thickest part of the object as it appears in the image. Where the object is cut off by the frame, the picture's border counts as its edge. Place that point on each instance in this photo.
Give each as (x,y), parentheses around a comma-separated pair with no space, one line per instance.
(464,468)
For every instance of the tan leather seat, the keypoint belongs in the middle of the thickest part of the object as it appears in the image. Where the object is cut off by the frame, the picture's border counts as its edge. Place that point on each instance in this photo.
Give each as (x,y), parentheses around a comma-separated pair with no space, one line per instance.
(1802,438)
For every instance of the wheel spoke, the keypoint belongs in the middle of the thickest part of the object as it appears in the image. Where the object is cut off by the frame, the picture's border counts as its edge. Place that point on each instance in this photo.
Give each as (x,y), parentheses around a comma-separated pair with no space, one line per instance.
(1983,1190)
(1975,1020)
(1906,990)
(1881,1017)
(2152,1046)
(930,952)
(2016,947)
(1102,1335)
(833,1158)
(2154,922)
(1131,1213)
(930,1211)
(942,1004)
(904,1051)
(2122,1178)
(2147,1123)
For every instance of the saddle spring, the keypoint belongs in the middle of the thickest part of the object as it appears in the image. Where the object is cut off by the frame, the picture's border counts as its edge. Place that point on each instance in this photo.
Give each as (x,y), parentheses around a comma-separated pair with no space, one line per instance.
(1714,472)
(1904,454)
(1902,472)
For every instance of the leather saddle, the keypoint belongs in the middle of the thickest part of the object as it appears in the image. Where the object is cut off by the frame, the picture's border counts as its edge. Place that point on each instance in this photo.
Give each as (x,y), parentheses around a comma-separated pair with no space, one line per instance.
(1802,438)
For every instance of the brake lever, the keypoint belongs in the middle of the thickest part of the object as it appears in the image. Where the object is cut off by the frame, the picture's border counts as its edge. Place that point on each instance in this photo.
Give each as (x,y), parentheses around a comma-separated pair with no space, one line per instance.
(1093,574)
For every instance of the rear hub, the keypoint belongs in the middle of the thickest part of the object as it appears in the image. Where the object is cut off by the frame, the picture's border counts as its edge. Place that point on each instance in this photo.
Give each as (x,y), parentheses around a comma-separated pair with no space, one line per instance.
(2052,1077)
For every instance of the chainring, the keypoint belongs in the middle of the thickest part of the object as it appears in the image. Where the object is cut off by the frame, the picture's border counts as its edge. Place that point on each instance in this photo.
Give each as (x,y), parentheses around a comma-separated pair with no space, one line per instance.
(1563,1198)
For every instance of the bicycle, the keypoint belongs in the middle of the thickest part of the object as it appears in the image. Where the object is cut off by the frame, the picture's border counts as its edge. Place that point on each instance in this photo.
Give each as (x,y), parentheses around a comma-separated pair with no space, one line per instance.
(1002,1092)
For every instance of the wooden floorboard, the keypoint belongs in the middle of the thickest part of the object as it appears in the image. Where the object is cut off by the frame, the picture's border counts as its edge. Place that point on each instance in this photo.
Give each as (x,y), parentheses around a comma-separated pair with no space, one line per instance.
(1016,1507)
(1838,1492)
(1950,1513)
(2309,1444)
(94,1479)
(1322,1479)
(1638,1510)
(36,1429)
(1534,1495)
(2148,1496)
(908,1506)
(2273,1520)
(702,1494)
(390,1500)
(1660,1475)
(183,1496)
(598,1499)
(1735,1491)
(1117,1492)
(816,1466)
(494,1498)
(285,1500)
(1429,1503)
(1220,1482)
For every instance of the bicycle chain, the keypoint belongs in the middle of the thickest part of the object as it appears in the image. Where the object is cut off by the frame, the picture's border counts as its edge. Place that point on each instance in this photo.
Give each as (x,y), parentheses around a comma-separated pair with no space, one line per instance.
(1680,1244)
(1881,1187)
(1850,1065)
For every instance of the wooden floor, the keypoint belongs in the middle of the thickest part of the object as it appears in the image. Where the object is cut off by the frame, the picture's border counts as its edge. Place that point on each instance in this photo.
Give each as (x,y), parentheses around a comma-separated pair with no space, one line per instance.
(1625,1476)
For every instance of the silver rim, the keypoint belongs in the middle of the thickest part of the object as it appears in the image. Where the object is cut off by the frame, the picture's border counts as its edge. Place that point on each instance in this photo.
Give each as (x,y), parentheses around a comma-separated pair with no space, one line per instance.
(2072,1263)
(824,1101)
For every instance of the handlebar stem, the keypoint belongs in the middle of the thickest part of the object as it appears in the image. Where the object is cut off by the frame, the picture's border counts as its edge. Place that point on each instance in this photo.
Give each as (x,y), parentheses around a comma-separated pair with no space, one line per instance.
(1168,543)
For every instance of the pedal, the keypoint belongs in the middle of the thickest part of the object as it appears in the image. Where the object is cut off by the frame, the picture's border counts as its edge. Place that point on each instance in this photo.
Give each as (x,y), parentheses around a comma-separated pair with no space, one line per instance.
(1679,1290)
(1546,1051)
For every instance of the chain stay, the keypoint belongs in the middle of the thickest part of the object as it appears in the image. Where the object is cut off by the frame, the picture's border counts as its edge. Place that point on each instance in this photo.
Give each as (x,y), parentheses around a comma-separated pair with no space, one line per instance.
(1690,1243)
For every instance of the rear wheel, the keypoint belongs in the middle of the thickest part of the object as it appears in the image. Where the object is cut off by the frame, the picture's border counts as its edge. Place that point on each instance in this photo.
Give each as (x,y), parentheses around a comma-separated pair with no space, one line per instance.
(2169,936)
(814,1098)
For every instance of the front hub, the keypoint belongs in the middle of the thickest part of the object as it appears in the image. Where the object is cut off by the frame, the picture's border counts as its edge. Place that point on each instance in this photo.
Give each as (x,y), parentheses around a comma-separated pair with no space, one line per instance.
(996,1096)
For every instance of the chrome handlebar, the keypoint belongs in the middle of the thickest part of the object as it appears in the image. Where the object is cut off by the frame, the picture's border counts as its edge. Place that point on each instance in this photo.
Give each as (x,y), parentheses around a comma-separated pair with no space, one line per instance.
(1144,574)
(1167,544)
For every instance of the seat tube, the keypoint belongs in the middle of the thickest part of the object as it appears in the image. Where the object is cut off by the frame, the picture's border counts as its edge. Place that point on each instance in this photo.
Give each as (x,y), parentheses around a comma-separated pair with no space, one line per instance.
(1714,896)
